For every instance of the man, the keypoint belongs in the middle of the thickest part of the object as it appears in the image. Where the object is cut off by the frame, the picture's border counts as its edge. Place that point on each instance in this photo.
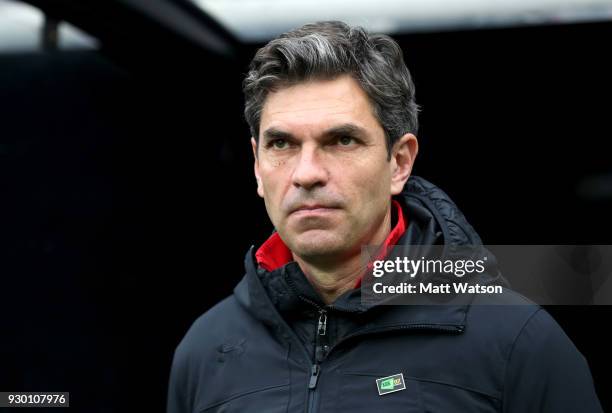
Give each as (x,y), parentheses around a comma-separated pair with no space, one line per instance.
(333,122)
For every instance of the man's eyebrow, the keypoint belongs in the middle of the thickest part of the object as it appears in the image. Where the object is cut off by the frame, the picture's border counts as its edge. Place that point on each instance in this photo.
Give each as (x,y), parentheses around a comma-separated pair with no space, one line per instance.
(340,130)
(346,129)
(273,133)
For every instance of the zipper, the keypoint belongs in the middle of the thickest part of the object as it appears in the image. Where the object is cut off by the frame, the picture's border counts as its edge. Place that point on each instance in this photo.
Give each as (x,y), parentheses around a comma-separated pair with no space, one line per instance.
(321,341)
(313,394)
(321,350)
(435,327)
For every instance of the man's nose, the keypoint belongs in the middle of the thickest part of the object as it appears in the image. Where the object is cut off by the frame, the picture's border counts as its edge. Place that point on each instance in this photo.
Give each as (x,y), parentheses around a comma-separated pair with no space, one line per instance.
(310,170)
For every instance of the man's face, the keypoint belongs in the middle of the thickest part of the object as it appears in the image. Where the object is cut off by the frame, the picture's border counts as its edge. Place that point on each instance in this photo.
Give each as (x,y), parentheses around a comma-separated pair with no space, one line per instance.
(322,168)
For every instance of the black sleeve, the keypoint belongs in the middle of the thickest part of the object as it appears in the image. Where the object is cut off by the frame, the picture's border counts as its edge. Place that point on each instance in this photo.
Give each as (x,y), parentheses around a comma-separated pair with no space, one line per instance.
(546,373)
(178,398)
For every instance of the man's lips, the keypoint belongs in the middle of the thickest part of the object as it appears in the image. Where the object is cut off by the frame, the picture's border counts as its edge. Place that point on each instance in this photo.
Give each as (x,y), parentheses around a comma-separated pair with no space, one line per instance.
(312,209)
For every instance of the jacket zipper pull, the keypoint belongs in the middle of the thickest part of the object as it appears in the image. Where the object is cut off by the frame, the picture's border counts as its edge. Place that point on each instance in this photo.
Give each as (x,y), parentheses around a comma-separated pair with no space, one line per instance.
(322,327)
(321,331)
(321,338)
(314,376)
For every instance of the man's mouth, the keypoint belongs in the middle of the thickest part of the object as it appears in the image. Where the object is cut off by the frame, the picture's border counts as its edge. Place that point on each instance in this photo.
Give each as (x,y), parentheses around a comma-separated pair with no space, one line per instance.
(313,209)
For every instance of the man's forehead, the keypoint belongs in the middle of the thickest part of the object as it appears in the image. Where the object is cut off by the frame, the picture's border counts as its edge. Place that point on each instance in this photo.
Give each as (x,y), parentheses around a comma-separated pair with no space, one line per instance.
(318,104)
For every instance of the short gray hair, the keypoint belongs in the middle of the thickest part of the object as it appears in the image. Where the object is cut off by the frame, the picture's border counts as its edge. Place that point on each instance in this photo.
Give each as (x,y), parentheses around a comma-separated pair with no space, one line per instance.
(325,50)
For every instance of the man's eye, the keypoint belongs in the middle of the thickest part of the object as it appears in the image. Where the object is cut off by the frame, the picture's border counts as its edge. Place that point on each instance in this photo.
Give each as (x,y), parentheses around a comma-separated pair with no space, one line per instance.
(279,144)
(346,140)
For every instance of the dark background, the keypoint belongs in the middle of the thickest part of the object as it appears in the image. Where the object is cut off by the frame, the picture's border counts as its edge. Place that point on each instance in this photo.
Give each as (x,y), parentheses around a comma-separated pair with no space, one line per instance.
(128,200)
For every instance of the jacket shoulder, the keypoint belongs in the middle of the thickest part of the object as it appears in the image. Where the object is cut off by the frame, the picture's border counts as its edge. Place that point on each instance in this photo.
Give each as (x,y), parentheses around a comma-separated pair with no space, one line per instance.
(546,372)
(213,323)
(502,316)
(542,369)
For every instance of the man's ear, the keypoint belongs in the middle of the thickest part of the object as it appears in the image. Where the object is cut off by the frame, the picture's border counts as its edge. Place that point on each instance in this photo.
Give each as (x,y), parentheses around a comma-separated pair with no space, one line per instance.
(260,190)
(403,155)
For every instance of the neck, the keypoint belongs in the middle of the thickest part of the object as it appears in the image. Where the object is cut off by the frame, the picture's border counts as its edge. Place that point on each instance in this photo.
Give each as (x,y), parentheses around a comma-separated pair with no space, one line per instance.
(331,278)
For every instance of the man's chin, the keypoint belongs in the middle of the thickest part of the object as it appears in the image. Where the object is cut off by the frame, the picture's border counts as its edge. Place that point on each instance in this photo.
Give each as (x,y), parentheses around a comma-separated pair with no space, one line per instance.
(318,245)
